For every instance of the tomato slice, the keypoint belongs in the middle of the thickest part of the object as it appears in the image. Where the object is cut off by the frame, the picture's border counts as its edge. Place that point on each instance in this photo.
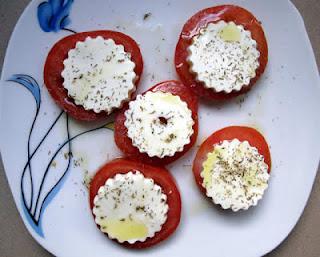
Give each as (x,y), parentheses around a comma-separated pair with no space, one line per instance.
(161,177)
(200,20)
(251,135)
(125,143)
(54,66)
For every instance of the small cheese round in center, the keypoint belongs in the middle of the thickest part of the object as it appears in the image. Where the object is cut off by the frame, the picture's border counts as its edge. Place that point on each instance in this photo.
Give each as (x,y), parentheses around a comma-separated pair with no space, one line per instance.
(223,56)
(235,175)
(99,74)
(130,207)
(159,124)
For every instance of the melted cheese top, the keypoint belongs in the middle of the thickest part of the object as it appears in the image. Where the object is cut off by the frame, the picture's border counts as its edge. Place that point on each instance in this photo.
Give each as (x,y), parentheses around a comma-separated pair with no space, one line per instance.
(99,74)
(130,207)
(235,175)
(159,124)
(223,56)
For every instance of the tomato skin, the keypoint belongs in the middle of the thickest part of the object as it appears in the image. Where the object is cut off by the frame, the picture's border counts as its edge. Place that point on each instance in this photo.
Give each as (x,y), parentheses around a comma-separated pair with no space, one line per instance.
(214,14)
(121,132)
(54,66)
(251,135)
(161,177)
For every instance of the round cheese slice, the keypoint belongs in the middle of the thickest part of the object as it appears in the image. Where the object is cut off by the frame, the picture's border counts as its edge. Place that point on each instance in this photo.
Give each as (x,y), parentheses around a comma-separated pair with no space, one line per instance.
(159,124)
(235,175)
(130,207)
(223,56)
(99,74)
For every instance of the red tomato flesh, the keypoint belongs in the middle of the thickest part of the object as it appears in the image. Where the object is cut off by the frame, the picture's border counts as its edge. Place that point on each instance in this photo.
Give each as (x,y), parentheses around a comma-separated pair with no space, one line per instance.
(54,66)
(121,132)
(200,20)
(251,135)
(161,177)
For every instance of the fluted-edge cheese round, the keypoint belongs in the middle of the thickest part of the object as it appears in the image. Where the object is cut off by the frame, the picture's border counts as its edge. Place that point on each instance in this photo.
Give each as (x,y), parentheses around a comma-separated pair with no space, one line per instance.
(159,124)
(99,74)
(130,207)
(235,175)
(223,56)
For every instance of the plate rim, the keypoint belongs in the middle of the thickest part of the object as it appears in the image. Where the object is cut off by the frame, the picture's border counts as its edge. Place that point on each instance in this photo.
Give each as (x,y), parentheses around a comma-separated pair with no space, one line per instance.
(2,79)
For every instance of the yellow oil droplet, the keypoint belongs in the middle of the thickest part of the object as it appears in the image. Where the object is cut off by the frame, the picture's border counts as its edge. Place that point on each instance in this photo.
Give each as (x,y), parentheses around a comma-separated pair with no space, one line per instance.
(207,168)
(230,33)
(167,98)
(124,230)
(110,125)
(84,90)
(250,178)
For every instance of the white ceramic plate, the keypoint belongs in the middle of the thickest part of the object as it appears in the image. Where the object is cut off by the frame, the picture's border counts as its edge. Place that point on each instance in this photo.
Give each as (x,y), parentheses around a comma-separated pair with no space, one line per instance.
(283,106)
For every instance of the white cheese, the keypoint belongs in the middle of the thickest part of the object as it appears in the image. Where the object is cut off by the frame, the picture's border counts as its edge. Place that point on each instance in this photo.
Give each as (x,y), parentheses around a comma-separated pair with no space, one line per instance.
(223,56)
(235,175)
(159,124)
(99,75)
(130,207)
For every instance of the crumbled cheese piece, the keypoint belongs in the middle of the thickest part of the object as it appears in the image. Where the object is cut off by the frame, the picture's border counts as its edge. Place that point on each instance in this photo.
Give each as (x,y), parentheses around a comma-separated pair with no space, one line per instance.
(130,207)
(235,175)
(159,124)
(99,74)
(224,56)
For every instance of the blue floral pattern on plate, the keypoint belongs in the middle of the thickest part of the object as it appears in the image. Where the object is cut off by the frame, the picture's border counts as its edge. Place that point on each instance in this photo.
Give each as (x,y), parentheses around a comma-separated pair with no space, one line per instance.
(53,15)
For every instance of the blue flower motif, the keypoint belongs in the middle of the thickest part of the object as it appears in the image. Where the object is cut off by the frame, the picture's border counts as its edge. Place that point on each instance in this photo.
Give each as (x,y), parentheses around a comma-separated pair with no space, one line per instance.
(34,207)
(53,14)
(29,83)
